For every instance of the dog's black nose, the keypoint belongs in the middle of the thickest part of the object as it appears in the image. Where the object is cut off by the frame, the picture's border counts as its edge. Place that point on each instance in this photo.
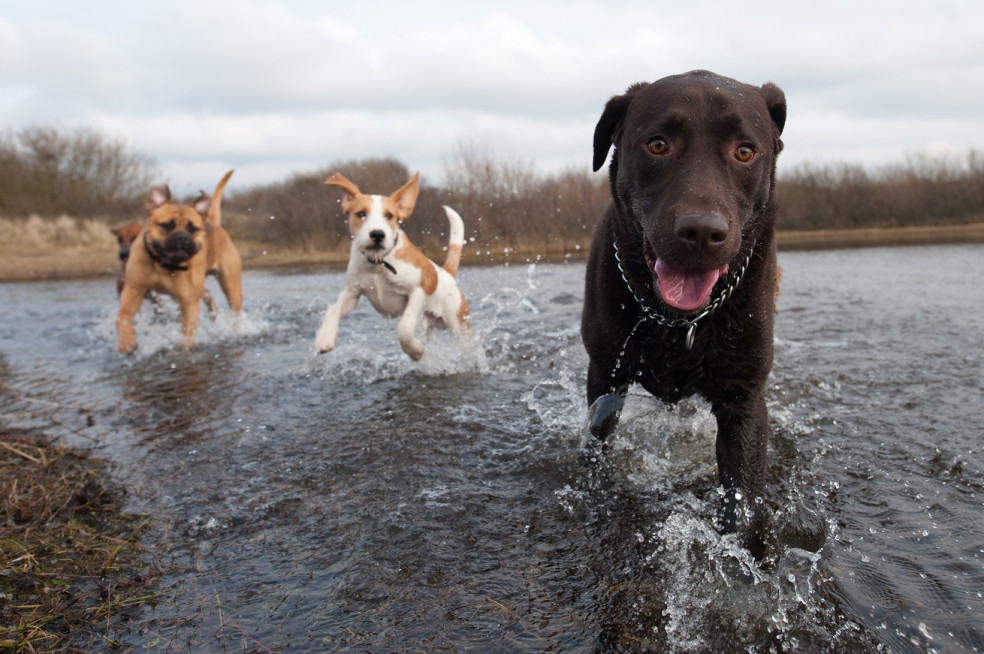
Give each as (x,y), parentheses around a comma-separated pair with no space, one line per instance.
(377,236)
(702,231)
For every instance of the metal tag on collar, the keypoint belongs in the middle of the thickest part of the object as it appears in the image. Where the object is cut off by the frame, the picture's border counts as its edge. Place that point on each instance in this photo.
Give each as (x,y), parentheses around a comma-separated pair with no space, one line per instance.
(691,332)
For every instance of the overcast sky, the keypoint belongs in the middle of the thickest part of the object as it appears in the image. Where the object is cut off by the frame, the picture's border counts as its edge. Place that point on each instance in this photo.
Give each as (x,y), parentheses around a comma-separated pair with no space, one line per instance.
(272,88)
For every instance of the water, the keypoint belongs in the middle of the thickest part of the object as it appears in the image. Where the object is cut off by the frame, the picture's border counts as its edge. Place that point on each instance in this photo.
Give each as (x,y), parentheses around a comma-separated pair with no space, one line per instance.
(357,501)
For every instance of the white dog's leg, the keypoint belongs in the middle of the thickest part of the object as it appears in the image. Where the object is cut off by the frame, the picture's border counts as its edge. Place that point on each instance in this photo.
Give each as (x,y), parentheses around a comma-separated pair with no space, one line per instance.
(406,328)
(324,341)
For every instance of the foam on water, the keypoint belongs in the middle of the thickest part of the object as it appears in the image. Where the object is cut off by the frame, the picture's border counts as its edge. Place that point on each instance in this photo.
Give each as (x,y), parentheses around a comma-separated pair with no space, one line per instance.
(160,330)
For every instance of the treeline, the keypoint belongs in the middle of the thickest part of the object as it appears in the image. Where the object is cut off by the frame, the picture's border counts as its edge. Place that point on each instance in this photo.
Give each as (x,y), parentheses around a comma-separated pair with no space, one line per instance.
(921,191)
(507,205)
(82,173)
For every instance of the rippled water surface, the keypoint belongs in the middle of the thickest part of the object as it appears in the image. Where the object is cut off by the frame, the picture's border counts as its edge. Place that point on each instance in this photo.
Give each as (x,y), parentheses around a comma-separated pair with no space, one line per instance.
(357,501)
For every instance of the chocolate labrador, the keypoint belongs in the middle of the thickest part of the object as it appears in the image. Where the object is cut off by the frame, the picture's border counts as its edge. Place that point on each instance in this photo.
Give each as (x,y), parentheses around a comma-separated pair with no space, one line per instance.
(681,276)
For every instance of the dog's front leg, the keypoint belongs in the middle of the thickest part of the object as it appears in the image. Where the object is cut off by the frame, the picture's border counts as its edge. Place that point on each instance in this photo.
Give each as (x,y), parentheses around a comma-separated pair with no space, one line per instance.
(406,328)
(189,320)
(606,397)
(130,300)
(324,340)
(742,450)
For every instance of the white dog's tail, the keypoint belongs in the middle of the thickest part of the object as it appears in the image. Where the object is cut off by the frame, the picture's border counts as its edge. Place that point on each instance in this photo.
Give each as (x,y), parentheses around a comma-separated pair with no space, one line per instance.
(455,240)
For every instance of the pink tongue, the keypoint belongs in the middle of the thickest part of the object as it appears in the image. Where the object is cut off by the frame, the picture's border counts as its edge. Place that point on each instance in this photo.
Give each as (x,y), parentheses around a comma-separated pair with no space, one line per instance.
(685,290)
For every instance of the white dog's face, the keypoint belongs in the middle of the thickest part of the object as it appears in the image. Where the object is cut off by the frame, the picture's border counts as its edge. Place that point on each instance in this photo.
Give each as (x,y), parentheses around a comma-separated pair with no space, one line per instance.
(374,220)
(374,225)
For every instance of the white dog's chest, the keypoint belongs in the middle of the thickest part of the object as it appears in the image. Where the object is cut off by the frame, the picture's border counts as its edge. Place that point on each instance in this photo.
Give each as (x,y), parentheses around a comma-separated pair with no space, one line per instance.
(386,299)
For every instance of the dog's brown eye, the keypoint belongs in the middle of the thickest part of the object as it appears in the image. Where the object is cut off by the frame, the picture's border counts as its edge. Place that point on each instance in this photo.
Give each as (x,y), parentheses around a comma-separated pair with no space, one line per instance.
(168,226)
(361,214)
(658,147)
(744,153)
(389,216)
(192,228)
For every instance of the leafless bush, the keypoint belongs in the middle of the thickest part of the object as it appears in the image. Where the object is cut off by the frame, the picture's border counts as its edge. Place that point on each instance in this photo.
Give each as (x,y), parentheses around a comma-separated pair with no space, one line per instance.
(921,191)
(81,173)
(304,214)
(506,206)
(510,207)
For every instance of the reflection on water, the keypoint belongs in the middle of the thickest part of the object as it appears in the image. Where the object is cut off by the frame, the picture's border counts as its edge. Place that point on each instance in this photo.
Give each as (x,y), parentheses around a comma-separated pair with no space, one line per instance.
(358,501)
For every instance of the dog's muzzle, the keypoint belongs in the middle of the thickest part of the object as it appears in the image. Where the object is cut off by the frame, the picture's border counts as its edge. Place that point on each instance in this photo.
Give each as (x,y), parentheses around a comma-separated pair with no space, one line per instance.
(175,251)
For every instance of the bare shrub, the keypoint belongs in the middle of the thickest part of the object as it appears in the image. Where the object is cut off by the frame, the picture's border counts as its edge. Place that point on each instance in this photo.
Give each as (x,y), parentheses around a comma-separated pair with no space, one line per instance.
(510,207)
(923,190)
(304,214)
(81,173)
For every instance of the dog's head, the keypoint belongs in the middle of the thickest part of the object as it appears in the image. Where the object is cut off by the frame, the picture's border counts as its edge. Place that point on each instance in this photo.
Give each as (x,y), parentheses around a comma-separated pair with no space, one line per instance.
(125,236)
(174,232)
(693,175)
(375,220)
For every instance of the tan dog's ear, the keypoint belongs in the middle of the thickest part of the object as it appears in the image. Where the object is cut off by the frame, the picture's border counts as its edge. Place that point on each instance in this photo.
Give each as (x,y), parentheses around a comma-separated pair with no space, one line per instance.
(406,197)
(202,203)
(351,190)
(158,195)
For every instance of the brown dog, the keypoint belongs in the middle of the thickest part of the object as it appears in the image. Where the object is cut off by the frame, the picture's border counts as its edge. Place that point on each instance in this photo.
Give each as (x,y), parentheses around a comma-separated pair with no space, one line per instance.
(125,236)
(178,246)
(681,278)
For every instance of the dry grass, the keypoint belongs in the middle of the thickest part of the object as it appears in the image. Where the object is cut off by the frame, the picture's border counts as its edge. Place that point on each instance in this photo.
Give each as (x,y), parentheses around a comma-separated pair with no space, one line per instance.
(36,249)
(823,239)
(70,561)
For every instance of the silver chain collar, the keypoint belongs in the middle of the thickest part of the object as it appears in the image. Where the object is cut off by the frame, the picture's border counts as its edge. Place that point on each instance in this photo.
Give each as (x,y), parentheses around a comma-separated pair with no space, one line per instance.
(689,323)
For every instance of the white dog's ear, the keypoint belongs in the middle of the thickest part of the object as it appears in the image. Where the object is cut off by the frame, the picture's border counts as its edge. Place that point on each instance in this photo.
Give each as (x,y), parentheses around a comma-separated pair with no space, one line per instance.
(158,195)
(406,197)
(351,190)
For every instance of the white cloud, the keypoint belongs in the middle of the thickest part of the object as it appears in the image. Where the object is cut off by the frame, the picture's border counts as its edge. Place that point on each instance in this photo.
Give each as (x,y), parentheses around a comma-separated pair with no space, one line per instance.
(270,87)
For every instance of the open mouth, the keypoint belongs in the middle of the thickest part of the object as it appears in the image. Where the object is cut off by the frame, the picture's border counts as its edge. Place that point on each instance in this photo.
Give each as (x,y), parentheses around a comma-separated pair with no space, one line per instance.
(681,288)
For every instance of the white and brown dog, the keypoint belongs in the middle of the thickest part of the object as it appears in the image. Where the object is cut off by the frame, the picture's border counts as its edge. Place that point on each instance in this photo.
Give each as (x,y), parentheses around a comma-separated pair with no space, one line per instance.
(391,272)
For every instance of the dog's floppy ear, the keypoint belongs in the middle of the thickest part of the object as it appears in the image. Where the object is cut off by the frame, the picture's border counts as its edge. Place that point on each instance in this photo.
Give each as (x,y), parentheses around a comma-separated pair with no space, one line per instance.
(406,197)
(351,190)
(202,203)
(609,126)
(158,195)
(775,100)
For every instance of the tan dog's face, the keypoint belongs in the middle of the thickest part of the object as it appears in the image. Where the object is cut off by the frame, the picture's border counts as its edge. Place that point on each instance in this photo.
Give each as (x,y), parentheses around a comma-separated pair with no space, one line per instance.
(175,232)
(125,236)
(374,220)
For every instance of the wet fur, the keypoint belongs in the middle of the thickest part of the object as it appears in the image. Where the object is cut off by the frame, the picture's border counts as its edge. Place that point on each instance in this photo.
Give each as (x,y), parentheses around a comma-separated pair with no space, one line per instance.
(178,246)
(396,277)
(702,120)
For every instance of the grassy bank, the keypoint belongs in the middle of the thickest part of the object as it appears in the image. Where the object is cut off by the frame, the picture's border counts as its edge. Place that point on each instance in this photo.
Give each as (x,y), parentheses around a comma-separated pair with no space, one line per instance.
(71,564)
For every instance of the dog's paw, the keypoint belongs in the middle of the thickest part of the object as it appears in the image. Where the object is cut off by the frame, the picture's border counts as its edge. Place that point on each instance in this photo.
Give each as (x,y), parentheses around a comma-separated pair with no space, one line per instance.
(126,343)
(413,348)
(324,345)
